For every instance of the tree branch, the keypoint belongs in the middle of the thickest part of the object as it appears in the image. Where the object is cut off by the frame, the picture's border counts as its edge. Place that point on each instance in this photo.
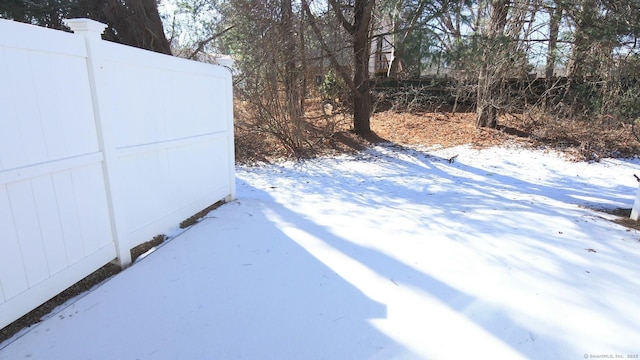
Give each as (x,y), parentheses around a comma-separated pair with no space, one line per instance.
(332,57)
(203,43)
(351,28)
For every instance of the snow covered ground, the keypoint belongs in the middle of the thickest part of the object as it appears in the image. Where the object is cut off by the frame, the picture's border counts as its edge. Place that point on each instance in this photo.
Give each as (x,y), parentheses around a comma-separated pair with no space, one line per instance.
(390,254)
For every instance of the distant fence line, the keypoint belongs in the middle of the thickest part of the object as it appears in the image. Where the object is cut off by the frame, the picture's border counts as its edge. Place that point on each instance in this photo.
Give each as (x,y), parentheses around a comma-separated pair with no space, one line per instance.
(102,147)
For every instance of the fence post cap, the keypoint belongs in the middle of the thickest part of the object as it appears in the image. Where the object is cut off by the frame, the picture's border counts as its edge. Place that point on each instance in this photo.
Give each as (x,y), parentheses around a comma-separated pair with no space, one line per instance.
(225,60)
(85,26)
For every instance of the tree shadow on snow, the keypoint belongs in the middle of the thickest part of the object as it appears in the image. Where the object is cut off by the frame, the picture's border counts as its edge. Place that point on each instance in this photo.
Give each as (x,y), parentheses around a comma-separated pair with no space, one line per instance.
(481,203)
(487,318)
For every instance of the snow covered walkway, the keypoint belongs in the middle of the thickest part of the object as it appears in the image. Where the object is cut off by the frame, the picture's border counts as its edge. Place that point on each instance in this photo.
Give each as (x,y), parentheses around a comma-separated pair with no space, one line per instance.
(391,254)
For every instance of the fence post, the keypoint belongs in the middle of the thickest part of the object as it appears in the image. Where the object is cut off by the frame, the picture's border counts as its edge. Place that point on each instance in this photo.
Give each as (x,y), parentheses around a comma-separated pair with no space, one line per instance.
(635,210)
(92,31)
(227,62)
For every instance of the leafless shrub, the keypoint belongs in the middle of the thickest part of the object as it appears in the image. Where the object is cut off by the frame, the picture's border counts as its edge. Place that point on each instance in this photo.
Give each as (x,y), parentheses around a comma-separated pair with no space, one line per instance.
(587,137)
(265,117)
(262,136)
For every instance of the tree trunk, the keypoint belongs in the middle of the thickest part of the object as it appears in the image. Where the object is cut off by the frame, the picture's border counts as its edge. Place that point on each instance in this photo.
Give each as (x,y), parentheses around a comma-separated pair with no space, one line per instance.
(398,48)
(582,42)
(486,111)
(303,63)
(362,105)
(292,73)
(359,84)
(493,59)
(555,15)
(396,65)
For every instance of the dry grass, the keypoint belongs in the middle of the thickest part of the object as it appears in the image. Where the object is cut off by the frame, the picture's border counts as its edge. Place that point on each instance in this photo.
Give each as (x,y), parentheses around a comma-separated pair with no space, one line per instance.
(586,139)
(326,134)
(428,129)
(580,139)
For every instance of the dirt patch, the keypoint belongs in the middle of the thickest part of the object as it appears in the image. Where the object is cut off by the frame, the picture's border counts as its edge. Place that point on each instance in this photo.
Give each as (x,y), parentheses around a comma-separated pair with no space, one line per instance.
(81,286)
(622,217)
(628,223)
(139,250)
(199,215)
(428,129)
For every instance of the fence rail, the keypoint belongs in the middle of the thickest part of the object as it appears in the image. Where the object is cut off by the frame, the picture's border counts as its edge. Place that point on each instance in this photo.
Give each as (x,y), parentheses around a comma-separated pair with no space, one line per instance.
(102,147)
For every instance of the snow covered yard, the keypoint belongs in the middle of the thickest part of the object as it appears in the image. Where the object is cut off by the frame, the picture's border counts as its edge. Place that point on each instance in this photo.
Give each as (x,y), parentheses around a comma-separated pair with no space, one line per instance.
(390,254)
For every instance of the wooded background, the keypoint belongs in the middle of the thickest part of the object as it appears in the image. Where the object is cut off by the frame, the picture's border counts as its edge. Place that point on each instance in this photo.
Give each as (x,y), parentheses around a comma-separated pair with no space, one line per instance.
(552,59)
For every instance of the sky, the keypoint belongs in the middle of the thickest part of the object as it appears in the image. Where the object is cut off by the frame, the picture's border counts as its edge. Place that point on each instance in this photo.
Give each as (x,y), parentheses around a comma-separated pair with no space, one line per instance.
(392,253)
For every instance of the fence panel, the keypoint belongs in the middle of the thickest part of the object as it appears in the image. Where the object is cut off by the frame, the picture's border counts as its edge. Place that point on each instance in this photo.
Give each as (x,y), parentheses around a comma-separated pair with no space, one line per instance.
(102,147)
(167,127)
(54,219)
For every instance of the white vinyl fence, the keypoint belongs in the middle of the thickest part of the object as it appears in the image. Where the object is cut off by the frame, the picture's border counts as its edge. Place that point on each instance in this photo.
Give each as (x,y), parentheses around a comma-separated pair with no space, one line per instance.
(102,147)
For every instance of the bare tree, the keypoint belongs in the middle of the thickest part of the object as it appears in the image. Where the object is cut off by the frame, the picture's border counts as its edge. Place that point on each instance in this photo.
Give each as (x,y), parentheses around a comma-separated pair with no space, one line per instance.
(270,81)
(293,76)
(555,16)
(493,57)
(359,29)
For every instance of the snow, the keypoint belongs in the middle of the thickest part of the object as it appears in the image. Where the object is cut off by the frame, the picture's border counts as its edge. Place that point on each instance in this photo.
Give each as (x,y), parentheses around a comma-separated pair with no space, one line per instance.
(389,254)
